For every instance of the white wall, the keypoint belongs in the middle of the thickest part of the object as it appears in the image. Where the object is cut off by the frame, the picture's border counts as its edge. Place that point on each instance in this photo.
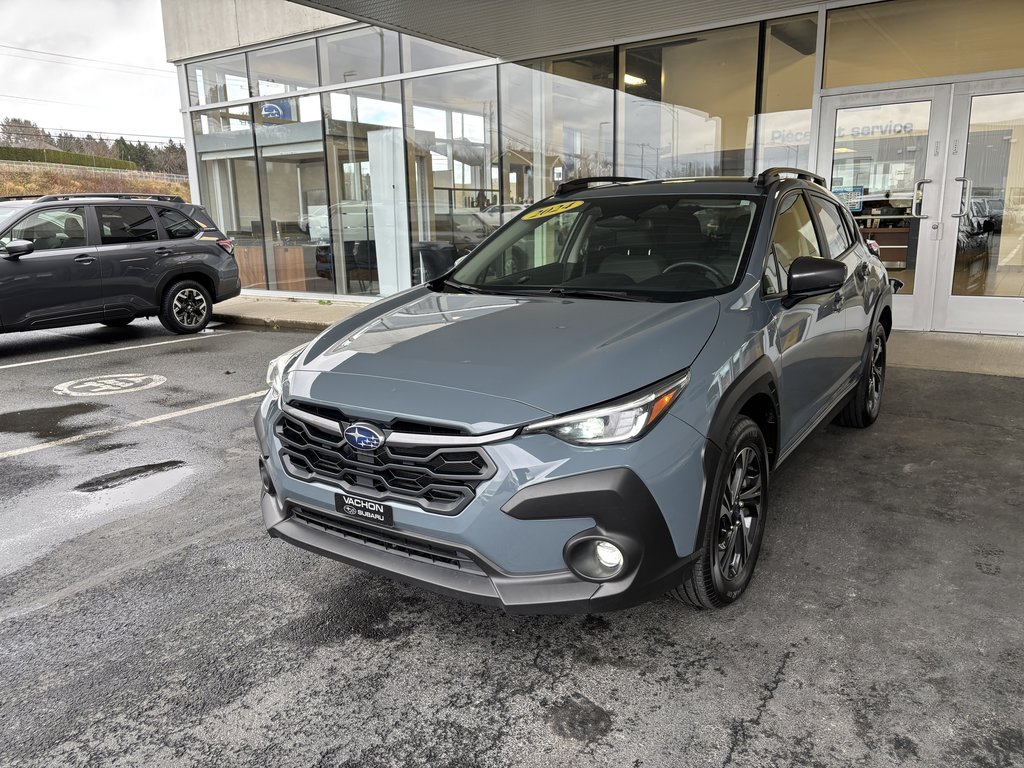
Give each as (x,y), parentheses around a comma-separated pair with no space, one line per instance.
(199,27)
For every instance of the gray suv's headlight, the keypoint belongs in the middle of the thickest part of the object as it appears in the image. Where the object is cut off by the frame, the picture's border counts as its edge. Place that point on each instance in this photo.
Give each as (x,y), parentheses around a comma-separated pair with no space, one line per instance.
(278,367)
(618,422)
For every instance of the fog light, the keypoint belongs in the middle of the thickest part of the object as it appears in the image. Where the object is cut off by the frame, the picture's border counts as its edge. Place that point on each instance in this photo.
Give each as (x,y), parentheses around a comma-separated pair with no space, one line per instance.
(608,555)
(596,558)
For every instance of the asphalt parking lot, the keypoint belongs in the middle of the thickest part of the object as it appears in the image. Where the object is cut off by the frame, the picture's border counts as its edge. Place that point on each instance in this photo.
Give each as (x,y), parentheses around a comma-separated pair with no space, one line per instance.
(147,619)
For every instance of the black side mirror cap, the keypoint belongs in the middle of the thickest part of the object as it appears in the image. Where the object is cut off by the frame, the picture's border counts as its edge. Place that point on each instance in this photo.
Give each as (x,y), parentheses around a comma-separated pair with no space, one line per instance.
(810,276)
(16,249)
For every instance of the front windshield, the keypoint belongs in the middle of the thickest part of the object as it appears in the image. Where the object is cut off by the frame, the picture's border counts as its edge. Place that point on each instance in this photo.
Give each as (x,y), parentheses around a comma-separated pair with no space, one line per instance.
(637,247)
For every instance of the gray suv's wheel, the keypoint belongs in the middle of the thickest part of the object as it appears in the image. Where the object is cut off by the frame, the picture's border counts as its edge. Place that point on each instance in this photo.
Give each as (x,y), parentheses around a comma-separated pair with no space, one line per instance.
(735,525)
(186,307)
(862,410)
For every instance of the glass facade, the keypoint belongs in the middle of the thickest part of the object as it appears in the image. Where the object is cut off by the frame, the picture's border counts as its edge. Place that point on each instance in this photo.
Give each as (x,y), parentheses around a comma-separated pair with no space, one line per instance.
(689,105)
(408,153)
(913,39)
(556,124)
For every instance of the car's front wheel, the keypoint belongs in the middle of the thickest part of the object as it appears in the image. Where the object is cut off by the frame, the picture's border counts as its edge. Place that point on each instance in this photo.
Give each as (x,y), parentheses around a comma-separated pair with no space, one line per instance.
(186,307)
(735,525)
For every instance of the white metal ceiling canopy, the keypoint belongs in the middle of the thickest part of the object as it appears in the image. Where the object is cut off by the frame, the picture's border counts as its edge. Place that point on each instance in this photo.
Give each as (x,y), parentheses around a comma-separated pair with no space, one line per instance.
(532,28)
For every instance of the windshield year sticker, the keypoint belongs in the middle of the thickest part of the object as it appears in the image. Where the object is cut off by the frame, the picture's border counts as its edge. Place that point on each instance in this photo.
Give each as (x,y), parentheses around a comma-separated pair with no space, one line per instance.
(551,210)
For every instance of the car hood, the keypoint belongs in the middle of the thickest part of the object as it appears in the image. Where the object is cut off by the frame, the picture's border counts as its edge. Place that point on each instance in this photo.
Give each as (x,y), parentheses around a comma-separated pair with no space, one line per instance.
(491,361)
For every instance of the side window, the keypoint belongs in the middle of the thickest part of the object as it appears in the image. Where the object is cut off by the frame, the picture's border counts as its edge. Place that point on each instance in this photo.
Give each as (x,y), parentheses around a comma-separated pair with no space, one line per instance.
(125,224)
(50,228)
(771,283)
(176,224)
(832,227)
(793,236)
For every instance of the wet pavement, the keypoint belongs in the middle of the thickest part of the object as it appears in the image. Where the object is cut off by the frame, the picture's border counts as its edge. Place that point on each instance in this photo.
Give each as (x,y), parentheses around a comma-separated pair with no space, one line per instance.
(146,618)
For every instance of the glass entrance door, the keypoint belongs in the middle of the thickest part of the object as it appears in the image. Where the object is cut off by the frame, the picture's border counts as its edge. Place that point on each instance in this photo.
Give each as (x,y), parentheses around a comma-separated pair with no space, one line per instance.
(981,261)
(884,154)
(935,176)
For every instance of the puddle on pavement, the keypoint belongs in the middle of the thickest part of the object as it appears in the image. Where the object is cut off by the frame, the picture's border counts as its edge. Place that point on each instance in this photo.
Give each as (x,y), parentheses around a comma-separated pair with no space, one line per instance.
(48,423)
(123,476)
(132,487)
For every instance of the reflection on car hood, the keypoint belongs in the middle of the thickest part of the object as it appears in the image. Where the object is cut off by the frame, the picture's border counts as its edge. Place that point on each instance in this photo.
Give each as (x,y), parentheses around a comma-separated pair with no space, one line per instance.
(554,355)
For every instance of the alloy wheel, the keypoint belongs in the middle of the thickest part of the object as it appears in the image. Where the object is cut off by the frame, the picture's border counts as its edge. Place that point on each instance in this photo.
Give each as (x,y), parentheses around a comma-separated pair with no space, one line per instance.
(739,514)
(189,307)
(876,376)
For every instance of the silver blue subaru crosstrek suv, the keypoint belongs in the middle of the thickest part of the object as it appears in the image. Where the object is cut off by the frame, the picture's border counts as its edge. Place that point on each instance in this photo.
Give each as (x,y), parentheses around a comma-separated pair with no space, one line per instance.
(587,411)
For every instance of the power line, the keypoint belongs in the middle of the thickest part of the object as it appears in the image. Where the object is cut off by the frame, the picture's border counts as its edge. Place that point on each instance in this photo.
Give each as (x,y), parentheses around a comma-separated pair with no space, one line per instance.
(168,75)
(94,134)
(84,58)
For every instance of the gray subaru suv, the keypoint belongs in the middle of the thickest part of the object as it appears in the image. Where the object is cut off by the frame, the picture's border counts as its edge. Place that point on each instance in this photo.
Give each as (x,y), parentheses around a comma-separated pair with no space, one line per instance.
(109,258)
(587,411)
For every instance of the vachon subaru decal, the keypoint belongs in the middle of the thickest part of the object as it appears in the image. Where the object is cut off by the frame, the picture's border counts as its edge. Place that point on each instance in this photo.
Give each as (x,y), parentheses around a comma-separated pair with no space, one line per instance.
(364,437)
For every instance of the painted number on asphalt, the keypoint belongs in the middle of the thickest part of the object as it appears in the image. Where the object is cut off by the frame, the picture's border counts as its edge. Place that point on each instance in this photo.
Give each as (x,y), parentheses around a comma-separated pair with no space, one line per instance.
(114,384)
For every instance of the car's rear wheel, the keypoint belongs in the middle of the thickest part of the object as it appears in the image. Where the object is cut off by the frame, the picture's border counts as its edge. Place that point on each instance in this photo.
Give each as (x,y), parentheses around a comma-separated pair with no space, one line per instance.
(119,322)
(186,307)
(735,526)
(863,408)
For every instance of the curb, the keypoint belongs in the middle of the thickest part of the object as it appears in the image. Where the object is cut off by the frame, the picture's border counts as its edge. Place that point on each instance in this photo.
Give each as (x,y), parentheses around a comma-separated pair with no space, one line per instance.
(280,324)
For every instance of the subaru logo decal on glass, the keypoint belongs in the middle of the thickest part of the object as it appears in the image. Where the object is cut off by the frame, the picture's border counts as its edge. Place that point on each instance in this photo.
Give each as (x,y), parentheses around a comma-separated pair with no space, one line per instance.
(364,437)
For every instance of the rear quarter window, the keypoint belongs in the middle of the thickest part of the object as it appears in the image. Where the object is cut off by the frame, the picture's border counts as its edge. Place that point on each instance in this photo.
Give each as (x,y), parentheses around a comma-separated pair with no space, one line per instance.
(176,224)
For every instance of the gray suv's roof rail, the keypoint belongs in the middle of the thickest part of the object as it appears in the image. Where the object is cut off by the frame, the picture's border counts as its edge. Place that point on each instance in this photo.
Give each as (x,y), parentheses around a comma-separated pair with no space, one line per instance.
(114,195)
(575,185)
(5,198)
(771,175)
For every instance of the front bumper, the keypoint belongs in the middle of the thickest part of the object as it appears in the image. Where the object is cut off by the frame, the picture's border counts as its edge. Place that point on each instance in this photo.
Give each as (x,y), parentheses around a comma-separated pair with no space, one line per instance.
(622,508)
(509,546)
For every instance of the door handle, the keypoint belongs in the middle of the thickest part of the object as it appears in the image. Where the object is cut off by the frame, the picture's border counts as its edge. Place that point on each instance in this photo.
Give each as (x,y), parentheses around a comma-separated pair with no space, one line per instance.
(862,269)
(915,206)
(965,196)
(837,300)
(85,258)
(162,251)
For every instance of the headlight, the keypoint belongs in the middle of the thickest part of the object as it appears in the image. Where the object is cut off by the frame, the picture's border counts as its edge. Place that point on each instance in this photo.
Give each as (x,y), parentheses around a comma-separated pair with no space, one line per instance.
(277,368)
(618,422)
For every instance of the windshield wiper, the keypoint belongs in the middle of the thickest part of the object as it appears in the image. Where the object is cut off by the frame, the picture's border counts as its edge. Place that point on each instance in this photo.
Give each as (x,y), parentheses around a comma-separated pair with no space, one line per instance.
(586,292)
(439,285)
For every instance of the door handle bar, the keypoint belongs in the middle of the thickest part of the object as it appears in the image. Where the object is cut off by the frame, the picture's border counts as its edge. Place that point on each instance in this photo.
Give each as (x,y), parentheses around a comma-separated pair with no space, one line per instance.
(915,206)
(965,196)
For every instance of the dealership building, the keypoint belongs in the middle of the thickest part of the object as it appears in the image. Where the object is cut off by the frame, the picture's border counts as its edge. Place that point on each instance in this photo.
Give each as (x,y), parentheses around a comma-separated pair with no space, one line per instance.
(353,148)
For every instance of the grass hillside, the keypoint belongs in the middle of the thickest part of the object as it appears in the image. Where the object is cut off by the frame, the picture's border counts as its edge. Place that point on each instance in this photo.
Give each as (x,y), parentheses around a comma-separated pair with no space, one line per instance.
(43,181)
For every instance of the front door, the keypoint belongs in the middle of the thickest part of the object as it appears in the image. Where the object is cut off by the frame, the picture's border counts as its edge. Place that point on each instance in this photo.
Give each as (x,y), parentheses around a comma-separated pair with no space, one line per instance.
(935,176)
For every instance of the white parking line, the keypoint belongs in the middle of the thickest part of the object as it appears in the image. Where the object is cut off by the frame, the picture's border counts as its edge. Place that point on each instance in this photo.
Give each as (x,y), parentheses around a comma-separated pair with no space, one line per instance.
(130,425)
(198,337)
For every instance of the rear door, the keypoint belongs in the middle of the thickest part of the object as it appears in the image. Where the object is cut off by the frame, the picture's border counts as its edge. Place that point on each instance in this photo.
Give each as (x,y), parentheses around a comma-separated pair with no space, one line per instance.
(59,283)
(133,259)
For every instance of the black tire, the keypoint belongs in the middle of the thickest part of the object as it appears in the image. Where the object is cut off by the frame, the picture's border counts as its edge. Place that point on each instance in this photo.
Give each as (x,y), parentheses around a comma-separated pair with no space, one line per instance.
(863,408)
(735,527)
(121,322)
(186,307)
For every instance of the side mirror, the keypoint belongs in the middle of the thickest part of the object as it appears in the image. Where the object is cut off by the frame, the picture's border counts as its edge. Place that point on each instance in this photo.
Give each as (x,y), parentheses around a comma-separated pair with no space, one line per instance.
(813,277)
(17,248)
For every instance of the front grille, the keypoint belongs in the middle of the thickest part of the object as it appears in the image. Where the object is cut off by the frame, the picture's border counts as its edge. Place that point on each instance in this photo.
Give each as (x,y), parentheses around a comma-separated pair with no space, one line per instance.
(389,541)
(442,480)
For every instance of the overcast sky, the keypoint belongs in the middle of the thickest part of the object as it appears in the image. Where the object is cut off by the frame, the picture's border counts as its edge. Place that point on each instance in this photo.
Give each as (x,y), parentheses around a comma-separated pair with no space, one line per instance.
(94,66)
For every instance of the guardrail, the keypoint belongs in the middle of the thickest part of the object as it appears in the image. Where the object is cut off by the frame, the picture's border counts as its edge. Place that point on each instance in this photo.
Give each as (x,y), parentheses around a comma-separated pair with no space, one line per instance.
(80,169)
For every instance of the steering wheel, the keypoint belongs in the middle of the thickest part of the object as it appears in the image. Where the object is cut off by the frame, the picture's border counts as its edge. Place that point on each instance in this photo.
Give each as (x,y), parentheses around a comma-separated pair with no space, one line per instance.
(706,268)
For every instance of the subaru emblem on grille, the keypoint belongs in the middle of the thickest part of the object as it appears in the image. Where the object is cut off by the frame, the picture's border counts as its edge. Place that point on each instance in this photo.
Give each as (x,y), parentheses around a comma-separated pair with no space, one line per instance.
(364,437)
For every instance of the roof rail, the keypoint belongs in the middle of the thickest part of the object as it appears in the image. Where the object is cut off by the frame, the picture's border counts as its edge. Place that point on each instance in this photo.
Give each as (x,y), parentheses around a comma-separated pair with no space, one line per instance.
(771,175)
(5,198)
(575,185)
(114,195)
